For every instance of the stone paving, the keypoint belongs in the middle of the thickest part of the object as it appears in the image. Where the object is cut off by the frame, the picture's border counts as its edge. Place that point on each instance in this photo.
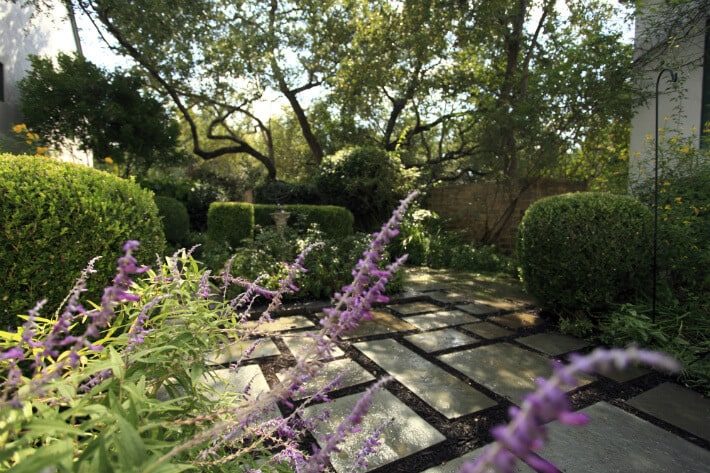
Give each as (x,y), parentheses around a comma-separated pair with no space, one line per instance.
(462,350)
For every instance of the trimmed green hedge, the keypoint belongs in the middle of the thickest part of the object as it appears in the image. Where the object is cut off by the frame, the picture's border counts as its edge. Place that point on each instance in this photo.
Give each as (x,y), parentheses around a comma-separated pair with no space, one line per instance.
(233,222)
(333,220)
(176,221)
(230,222)
(586,250)
(55,217)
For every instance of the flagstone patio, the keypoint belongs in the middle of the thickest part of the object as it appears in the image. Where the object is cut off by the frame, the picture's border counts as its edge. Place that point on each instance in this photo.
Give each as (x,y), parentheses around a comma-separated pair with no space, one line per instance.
(459,360)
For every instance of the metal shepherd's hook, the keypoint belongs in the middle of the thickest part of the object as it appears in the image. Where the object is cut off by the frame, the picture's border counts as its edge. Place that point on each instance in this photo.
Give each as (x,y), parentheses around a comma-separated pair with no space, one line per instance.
(674,78)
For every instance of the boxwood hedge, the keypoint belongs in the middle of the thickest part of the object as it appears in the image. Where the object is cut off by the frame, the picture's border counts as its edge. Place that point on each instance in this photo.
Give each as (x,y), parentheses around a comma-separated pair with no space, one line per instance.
(585,250)
(55,217)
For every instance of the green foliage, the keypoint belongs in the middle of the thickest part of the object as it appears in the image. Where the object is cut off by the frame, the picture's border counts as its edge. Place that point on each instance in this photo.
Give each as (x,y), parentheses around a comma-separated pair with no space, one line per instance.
(134,419)
(366,180)
(427,242)
(176,221)
(586,250)
(684,231)
(104,112)
(334,221)
(230,222)
(681,330)
(329,265)
(280,192)
(231,174)
(55,217)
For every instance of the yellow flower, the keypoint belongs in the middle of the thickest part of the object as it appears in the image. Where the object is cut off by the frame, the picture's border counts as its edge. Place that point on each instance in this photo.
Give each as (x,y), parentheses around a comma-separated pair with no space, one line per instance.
(108,160)
(19,128)
(41,150)
(678,200)
(667,207)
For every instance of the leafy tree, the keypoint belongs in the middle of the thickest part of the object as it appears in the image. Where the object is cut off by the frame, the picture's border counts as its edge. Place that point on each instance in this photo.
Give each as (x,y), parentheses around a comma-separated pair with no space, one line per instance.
(460,88)
(103,112)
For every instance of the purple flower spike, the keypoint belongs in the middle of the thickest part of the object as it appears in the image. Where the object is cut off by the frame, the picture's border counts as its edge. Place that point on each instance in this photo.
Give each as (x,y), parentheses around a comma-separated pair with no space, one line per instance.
(527,430)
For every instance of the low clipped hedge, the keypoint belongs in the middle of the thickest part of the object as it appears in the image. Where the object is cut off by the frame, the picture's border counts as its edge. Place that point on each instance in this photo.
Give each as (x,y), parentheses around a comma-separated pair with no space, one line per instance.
(230,222)
(55,217)
(333,220)
(233,222)
(176,221)
(583,251)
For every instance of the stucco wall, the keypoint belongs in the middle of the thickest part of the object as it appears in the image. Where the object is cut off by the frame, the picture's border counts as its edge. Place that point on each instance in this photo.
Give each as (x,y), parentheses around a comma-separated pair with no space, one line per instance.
(680,104)
(46,34)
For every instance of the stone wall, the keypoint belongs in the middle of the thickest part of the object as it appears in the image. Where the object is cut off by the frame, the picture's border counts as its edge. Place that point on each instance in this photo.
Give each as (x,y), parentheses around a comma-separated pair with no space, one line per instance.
(490,212)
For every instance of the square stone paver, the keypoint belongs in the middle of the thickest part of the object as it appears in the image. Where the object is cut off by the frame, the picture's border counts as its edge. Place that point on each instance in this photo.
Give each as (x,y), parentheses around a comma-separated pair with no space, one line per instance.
(406,433)
(227,381)
(453,466)
(616,441)
(382,322)
(351,374)
(553,344)
(503,368)
(518,320)
(477,308)
(447,297)
(443,318)
(440,340)
(280,324)
(302,343)
(233,352)
(414,308)
(627,374)
(444,392)
(487,330)
(678,406)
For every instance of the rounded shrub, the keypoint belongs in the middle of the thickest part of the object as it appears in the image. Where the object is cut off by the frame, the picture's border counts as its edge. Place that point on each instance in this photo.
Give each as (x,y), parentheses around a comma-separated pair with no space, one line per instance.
(55,217)
(583,251)
(176,221)
(366,180)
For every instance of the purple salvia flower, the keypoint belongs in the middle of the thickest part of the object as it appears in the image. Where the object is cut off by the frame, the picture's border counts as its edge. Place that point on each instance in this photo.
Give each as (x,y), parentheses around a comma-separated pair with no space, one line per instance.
(316,463)
(355,300)
(203,290)
(370,445)
(137,332)
(527,430)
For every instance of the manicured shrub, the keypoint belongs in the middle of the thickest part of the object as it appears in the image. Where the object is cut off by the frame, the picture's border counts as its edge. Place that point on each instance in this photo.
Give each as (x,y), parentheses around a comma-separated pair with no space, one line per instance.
(334,221)
(583,251)
(366,180)
(230,222)
(176,222)
(280,192)
(55,217)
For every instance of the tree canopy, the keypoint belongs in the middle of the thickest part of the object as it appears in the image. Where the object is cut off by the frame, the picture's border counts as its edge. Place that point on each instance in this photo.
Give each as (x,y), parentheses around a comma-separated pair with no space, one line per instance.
(103,112)
(459,88)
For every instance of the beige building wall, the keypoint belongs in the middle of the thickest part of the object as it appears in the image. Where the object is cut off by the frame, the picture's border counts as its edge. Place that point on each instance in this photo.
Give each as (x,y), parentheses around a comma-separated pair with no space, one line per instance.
(680,104)
(22,34)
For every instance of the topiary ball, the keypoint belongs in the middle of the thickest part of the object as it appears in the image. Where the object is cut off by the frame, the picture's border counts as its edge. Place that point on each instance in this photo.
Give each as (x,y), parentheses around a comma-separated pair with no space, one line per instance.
(584,251)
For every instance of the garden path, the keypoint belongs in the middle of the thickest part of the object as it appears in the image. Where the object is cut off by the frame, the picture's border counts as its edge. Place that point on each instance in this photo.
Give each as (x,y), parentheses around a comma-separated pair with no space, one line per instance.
(461,351)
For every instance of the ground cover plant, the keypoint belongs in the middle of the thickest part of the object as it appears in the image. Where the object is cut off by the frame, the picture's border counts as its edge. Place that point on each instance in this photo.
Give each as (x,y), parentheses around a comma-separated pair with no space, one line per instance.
(98,389)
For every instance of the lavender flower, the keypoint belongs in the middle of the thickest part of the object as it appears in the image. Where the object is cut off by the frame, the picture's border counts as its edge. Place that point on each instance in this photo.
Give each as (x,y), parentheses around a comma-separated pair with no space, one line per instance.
(370,446)
(348,426)
(527,431)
